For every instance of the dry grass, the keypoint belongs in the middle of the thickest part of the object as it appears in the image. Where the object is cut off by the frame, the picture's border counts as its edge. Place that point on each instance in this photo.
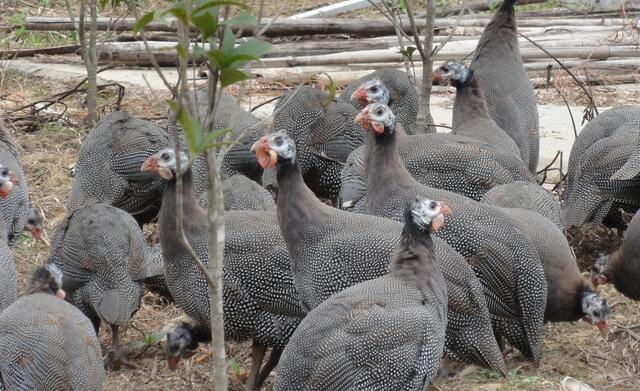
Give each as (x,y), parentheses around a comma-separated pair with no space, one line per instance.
(574,349)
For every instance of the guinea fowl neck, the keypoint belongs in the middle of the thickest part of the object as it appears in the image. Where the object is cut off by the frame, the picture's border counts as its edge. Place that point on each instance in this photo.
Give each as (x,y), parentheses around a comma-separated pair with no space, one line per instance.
(191,212)
(383,164)
(469,104)
(502,29)
(415,255)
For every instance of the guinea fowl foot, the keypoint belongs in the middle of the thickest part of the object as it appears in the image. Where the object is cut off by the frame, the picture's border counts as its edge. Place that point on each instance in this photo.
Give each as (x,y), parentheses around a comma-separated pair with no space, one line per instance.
(115,358)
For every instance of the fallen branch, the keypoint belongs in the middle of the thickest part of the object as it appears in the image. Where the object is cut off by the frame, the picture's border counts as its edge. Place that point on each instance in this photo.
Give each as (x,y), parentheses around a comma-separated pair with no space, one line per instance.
(66,49)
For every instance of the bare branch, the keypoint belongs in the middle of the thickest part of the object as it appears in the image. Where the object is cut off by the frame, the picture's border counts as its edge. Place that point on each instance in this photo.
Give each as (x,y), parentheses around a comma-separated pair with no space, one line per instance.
(414,30)
(463,8)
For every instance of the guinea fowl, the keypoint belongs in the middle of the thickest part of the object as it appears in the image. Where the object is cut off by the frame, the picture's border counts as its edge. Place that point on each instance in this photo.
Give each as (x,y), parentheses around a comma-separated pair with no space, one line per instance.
(259,299)
(46,343)
(8,273)
(108,165)
(325,134)
(15,206)
(622,267)
(504,259)
(246,129)
(525,195)
(449,162)
(603,169)
(104,257)
(569,296)
(332,250)
(387,333)
(508,92)
(34,224)
(241,193)
(470,116)
(389,86)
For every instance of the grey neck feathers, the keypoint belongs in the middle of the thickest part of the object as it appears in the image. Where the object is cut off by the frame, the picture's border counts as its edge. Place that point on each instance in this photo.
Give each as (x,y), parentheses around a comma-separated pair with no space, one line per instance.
(469,104)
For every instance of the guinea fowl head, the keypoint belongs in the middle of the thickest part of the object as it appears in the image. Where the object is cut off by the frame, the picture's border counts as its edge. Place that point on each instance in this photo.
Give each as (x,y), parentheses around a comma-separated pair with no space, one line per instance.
(34,223)
(377,116)
(600,272)
(274,148)
(180,344)
(426,215)
(7,181)
(453,72)
(371,91)
(47,279)
(596,311)
(164,163)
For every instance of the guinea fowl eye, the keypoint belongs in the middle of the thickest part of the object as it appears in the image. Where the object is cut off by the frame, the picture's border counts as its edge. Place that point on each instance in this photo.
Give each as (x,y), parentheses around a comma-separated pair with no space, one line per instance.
(374,89)
(165,156)
(379,112)
(278,141)
(4,172)
(445,69)
(433,205)
(596,314)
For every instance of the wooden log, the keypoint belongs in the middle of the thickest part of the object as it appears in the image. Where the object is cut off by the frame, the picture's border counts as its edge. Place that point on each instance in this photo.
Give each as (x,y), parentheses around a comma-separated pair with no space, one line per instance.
(66,49)
(477,5)
(355,27)
(335,9)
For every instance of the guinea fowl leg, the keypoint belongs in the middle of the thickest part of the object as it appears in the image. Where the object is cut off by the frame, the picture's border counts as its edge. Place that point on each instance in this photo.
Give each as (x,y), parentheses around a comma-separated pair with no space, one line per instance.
(271,363)
(257,355)
(115,358)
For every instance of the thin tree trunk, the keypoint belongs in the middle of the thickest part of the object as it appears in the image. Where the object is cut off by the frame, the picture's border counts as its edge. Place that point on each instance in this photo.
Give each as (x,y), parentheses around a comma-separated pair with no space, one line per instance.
(91,63)
(425,121)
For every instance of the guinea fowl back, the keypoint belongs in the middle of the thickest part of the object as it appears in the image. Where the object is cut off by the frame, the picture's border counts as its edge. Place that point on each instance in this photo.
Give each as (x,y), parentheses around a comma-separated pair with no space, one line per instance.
(386,333)
(444,161)
(241,193)
(108,166)
(508,92)
(403,98)
(525,195)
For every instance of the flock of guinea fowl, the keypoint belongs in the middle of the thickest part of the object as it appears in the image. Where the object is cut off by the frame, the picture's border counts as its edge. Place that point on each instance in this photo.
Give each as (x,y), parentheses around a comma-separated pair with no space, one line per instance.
(384,252)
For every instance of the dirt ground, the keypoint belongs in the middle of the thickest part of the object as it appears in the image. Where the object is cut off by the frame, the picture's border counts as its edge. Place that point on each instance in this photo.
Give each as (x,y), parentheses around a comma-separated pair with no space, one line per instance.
(51,146)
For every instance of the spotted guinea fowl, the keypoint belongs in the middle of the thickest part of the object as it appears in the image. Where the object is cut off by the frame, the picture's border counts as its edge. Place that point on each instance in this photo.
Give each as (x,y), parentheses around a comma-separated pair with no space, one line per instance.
(569,296)
(504,259)
(507,90)
(622,267)
(241,193)
(332,250)
(245,130)
(470,116)
(108,166)
(525,195)
(104,257)
(389,86)
(259,299)
(15,206)
(449,162)
(325,133)
(386,333)
(603,169)
(8,273)
(46,343)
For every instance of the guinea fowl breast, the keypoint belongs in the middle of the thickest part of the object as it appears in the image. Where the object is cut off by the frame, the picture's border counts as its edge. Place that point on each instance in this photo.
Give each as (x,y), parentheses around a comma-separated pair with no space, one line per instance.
(525,195)
(105,258)
(8,272)
(470,116)
(16,205)
(504,259)
(622,267)
(259,300)
(107,169)
(391,87)
(507,90)
(325,133)
(386,333)
(46,343)
(332,250)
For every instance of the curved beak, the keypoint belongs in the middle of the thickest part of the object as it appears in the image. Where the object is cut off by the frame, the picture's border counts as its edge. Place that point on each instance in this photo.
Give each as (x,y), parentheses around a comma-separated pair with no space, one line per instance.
(36,232)
(363,118)
(151,164)
(599,279)
(360,94)
(440,219)
(172,362)
(267,157)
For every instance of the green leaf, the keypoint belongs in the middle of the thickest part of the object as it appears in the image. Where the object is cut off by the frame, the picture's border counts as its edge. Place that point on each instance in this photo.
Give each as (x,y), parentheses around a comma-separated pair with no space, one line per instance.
(190,126)
(144,21)
(229,76)
(217,3)
(179,10)
(206,23)
(154,338)
(218,58)
(210,140)
(237,60)
(253,47)
(241,20)
(182,52)
(228,42)
(332,91)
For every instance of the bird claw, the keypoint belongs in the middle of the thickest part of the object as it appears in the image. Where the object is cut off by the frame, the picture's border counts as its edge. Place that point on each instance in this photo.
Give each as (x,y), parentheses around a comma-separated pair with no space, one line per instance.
(115,359)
